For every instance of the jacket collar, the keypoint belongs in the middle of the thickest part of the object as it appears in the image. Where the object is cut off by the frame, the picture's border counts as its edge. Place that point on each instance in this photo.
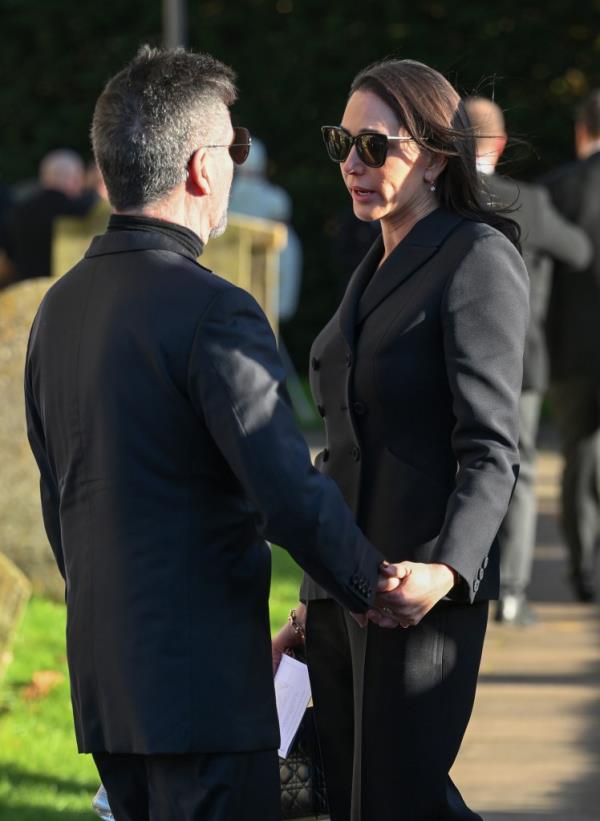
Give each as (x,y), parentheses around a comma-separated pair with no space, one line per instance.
(117,242)
(419,245)
(356,286)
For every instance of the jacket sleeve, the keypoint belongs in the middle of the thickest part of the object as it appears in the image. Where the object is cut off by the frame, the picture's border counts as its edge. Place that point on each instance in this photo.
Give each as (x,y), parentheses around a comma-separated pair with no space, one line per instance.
(556,236)
(48,487)
(236,381)
(484,317)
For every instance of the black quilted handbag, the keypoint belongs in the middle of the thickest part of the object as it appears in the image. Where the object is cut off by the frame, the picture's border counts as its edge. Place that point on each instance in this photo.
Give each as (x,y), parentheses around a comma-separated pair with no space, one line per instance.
(301,773)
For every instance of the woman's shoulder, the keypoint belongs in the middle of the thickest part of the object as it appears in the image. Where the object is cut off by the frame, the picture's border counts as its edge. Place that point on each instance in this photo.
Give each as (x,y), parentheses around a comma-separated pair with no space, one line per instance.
(489,262)
(483,232)
(482,241)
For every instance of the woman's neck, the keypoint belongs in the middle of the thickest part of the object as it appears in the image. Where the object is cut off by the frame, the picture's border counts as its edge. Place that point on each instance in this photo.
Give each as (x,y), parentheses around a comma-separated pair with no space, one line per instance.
(395,228)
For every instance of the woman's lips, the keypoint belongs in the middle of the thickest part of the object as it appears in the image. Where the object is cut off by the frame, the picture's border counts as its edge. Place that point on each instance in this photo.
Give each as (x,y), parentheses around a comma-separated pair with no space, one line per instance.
(361,194)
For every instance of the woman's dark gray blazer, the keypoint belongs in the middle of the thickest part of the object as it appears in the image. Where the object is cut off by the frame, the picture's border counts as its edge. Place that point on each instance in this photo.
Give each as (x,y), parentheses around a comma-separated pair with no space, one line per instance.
(418,376)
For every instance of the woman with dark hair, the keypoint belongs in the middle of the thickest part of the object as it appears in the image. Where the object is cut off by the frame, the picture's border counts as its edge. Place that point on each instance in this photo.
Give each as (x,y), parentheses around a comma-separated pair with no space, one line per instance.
(417,376)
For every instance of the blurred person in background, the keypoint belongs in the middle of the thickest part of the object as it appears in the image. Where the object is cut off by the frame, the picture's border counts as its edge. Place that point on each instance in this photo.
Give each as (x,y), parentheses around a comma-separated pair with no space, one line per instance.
(95,182)
(30,221)
(573,331)
(418,376)
(6,271)
(546,238)
(253,194)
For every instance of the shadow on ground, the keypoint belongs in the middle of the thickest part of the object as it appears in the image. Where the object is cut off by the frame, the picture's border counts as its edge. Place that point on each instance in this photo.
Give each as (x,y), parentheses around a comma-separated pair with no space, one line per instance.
(32,812)
(29,783)
(579,799)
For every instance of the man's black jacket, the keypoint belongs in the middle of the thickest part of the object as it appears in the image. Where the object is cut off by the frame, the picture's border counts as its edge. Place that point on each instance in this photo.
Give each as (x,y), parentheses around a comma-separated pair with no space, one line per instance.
(573,326)
(547,239)
(168,453)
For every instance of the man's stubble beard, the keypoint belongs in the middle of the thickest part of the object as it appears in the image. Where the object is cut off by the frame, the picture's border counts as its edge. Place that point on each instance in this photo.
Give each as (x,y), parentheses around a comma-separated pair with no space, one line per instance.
(220,227)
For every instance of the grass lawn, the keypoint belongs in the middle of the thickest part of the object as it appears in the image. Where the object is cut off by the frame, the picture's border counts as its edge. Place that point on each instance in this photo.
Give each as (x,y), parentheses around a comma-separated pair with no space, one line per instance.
(42,778)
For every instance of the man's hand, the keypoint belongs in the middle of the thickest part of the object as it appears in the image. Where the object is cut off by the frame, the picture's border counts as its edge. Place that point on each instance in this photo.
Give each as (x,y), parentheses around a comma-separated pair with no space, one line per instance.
(390,576)
(421,587)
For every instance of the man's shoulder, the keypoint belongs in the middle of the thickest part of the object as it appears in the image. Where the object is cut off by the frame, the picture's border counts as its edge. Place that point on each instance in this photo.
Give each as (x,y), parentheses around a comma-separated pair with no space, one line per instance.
(513,192)
(576,171)
(174,269)
(172,279)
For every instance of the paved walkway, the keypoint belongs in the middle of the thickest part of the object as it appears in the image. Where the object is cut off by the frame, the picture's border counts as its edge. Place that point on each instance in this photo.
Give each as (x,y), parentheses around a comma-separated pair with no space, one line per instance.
(532,750)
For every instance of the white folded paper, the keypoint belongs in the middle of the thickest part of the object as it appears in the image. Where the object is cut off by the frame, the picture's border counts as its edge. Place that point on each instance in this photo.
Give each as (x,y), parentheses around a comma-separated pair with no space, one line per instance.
(292,693)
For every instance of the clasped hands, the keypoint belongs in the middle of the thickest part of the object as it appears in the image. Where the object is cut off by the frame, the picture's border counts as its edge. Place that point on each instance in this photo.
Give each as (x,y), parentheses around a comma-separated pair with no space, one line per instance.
(406,592)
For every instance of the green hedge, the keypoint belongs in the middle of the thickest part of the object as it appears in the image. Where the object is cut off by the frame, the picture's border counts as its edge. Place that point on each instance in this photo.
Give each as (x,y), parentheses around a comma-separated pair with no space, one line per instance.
(295,59)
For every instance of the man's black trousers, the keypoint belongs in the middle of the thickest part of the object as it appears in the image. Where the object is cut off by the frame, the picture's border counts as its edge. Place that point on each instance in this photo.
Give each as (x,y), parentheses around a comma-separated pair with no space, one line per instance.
(192,787)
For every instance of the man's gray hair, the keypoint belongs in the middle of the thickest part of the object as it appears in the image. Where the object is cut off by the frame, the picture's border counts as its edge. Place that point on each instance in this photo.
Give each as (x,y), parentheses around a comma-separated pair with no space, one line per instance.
(151,117)
(62,169)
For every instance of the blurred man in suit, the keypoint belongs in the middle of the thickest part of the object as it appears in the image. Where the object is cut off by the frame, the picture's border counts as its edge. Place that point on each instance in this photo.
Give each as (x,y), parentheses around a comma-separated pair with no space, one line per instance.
(253,194)
(30,222)
(168,452)
(546,239)
(574,343)
(6,272)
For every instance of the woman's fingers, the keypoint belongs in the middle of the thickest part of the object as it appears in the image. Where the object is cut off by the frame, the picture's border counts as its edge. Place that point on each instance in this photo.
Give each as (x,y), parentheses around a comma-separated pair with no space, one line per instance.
(383,619)
(398,571)
(386,585)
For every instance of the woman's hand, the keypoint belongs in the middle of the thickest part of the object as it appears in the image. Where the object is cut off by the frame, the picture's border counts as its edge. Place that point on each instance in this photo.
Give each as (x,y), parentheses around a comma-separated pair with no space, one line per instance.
(421,588)
(289,637)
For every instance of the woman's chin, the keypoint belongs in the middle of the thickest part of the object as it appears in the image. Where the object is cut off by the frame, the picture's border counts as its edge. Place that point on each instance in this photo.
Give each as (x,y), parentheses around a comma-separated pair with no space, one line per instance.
(366,212)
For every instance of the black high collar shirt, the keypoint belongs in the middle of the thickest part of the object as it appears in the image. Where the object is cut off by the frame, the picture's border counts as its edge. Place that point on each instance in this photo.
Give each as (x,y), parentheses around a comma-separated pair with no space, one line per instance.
(190,242)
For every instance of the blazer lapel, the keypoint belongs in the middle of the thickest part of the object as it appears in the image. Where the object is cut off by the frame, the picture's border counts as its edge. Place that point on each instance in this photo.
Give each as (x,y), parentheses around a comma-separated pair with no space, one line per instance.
(358,281)
(420,244)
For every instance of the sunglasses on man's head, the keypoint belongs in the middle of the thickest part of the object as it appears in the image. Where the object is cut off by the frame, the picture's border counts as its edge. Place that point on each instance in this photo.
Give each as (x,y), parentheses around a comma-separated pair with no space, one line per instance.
(371,146)
(239,147)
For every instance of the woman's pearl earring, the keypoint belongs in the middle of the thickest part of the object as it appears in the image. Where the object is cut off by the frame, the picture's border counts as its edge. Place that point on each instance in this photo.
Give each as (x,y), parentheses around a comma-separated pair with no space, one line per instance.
(433,186)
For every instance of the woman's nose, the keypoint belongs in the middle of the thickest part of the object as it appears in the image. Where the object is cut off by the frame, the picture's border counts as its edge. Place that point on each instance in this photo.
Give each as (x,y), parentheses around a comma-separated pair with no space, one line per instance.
(353,164)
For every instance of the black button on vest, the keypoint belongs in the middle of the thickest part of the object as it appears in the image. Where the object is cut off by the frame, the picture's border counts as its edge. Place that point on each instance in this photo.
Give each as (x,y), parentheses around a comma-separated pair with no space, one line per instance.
(316,363)
(355,453)
(359,408)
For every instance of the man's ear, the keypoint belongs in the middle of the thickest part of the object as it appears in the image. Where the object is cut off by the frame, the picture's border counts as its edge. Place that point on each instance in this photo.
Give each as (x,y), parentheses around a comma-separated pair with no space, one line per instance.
(501,141)
(198,182)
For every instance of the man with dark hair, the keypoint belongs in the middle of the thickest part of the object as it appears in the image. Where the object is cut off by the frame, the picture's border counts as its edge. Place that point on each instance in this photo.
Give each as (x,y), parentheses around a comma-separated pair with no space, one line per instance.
(573,330)
(168,453)
(546,239)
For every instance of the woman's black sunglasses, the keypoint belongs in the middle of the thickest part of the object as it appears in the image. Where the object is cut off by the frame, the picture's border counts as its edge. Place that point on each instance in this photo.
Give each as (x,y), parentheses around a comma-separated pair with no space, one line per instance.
(371,146)
(239,148)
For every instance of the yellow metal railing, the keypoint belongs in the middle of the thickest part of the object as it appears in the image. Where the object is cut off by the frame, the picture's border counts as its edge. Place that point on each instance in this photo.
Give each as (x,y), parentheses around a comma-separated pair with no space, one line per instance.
(248,255)
(15,590)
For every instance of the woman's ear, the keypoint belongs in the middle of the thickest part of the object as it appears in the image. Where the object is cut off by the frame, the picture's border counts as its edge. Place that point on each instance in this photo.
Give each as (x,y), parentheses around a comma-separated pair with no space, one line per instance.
(197,181)
(435,165)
